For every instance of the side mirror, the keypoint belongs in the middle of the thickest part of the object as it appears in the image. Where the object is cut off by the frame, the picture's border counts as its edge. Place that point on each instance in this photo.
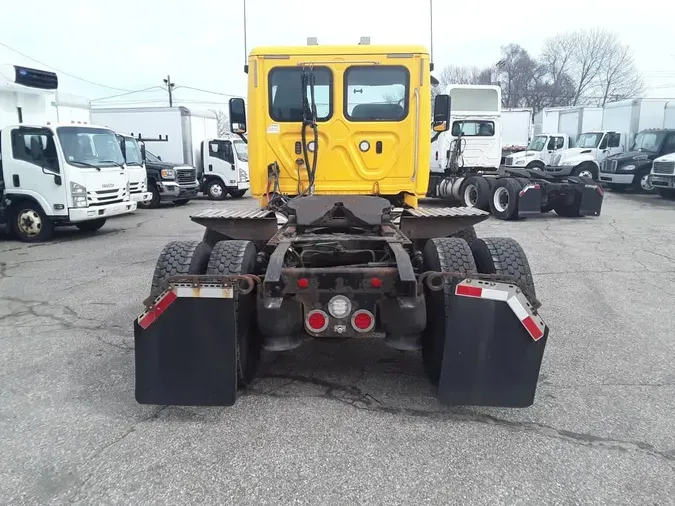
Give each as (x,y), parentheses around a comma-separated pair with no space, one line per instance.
(441,121)
(143,152)
(159,158)
(237,116)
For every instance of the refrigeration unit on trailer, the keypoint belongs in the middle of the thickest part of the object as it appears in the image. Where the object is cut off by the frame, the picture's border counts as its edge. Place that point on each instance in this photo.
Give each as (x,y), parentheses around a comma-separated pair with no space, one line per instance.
(53,174)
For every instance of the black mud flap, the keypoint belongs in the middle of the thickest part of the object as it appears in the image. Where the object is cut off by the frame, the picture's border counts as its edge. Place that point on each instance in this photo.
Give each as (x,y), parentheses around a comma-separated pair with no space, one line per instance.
(494,344)
(529,200)
(592,196)
(185,349)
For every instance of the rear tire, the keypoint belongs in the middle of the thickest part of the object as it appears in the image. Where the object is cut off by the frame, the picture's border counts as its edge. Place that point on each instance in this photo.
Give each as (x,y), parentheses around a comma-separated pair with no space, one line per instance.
(476,193)
(179,258)
(505,256)
(91,226)
(231,258)
(447,254)
(504,199)
(468,234)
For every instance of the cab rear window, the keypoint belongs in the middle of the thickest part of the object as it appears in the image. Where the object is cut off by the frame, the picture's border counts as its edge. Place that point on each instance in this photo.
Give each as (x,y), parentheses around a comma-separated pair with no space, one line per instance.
(376,93)
(285,93)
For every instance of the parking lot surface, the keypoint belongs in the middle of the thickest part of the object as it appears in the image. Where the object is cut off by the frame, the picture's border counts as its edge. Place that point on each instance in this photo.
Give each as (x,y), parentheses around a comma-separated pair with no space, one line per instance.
(354,423)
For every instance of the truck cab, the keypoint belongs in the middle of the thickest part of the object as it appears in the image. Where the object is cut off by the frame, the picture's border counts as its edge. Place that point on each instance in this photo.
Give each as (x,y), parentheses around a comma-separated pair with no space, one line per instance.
(631,169)
(662,175)
(591,148)
(224,167)
(60,175)
(135,162)
(539,152)
(168,182)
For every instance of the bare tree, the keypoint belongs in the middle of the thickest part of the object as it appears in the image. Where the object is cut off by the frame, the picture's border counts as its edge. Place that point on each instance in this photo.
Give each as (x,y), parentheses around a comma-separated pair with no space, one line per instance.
(454,74)
(619,78)
(223,122)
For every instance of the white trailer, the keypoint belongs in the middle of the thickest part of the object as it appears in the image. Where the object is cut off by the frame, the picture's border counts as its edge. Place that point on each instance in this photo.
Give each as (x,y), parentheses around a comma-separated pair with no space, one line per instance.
(516,129)
(546,120)
(578,120)
(53,174)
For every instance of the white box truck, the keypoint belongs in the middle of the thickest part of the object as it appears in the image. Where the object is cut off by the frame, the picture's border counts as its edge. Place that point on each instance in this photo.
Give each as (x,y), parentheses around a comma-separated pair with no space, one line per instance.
(177,140)
(517,129)
(53,174)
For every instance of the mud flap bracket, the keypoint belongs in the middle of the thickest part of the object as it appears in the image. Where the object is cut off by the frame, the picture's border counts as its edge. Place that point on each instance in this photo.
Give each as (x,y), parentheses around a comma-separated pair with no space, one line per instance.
(494,345)
(185,346)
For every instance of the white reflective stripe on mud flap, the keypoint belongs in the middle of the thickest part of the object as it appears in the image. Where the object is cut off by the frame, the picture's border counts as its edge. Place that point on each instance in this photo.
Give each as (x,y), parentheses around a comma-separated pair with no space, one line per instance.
(488,293)
(517,308)
(207,292)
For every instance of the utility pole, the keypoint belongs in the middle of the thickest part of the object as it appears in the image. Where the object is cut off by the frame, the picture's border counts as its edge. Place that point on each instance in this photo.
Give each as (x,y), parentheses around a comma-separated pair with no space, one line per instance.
(169,87)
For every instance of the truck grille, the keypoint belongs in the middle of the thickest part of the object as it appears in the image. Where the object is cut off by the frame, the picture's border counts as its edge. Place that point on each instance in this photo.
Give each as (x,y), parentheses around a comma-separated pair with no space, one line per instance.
(186,176)
(508,160)
(103,197)
(664,168)
(609,166)
(135,187)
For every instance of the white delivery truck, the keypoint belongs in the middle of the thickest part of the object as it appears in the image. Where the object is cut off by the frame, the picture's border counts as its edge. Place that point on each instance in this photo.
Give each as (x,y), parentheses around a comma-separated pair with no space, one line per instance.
(67,108)
(590,149)
(539,153)
(53,174)
(176,138)
(136,171)
(577,120)
(662,175)
(546,121)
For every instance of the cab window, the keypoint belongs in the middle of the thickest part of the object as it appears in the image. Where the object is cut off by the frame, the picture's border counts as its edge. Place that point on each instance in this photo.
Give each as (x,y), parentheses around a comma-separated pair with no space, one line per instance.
(285,93)
(376,93)
(473,128)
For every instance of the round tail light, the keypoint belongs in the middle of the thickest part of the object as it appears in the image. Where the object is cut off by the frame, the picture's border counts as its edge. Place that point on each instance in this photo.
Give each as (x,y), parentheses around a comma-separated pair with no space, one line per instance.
(363,321)
(317,320)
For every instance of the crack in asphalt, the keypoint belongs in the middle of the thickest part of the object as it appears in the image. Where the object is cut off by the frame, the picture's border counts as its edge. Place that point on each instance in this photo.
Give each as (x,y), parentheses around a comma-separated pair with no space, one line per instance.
(153,416)
(356,398)
(70,319)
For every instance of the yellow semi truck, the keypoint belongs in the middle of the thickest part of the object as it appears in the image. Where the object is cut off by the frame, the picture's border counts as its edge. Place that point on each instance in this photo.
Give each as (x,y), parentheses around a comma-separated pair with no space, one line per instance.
(339,248)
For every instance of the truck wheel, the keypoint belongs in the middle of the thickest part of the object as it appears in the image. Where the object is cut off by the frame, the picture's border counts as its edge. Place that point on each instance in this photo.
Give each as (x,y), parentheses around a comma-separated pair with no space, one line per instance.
(30,223)
(447,254)
(179,258)
(505,256)
(91,226)
(237,194)
(153,203)
(538,165)
(468,234)
(238,257)
(504,201)
(641,182)
(215,190)
(587,170)
(476,193)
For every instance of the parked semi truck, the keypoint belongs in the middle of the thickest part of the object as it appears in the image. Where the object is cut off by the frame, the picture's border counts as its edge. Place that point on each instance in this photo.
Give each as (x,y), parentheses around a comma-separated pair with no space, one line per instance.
(356,256)
(53,174)
(177,138)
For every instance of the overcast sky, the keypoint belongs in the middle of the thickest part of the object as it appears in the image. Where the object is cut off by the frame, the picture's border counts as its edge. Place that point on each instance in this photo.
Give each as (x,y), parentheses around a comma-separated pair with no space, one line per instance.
(133,45)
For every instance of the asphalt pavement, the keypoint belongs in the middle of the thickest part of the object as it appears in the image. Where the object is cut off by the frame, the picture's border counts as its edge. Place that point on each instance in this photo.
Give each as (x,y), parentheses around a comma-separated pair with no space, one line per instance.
(355,423)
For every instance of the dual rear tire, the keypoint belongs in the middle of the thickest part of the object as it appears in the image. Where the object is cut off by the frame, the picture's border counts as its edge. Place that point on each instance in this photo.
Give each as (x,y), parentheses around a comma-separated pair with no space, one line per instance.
(498,255)
(225,258)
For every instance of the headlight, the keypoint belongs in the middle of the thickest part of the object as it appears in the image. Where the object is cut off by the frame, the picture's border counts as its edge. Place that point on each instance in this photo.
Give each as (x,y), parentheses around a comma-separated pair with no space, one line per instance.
(567,163)
(627,168)
(78,194)
(242,176)
(168,174)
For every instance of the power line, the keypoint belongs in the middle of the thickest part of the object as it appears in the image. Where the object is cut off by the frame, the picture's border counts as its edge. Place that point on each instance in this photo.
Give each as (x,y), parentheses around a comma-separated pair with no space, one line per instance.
(62,71)
(128,93)
(209,91)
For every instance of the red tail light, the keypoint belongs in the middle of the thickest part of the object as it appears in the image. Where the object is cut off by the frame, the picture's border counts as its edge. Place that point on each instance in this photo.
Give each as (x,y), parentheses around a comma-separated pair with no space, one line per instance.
(363,321)
(317,320)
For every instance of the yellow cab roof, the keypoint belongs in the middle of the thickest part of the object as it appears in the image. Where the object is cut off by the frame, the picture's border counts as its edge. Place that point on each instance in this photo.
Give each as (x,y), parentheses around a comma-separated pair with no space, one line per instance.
(354,49)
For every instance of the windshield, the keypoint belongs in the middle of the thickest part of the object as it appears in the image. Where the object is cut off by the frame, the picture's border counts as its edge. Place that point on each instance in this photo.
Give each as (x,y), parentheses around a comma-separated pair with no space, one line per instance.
(95,147)
(538,143)
(648,141)
(151,158)
(241,148)
(133,152)
(589,140)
